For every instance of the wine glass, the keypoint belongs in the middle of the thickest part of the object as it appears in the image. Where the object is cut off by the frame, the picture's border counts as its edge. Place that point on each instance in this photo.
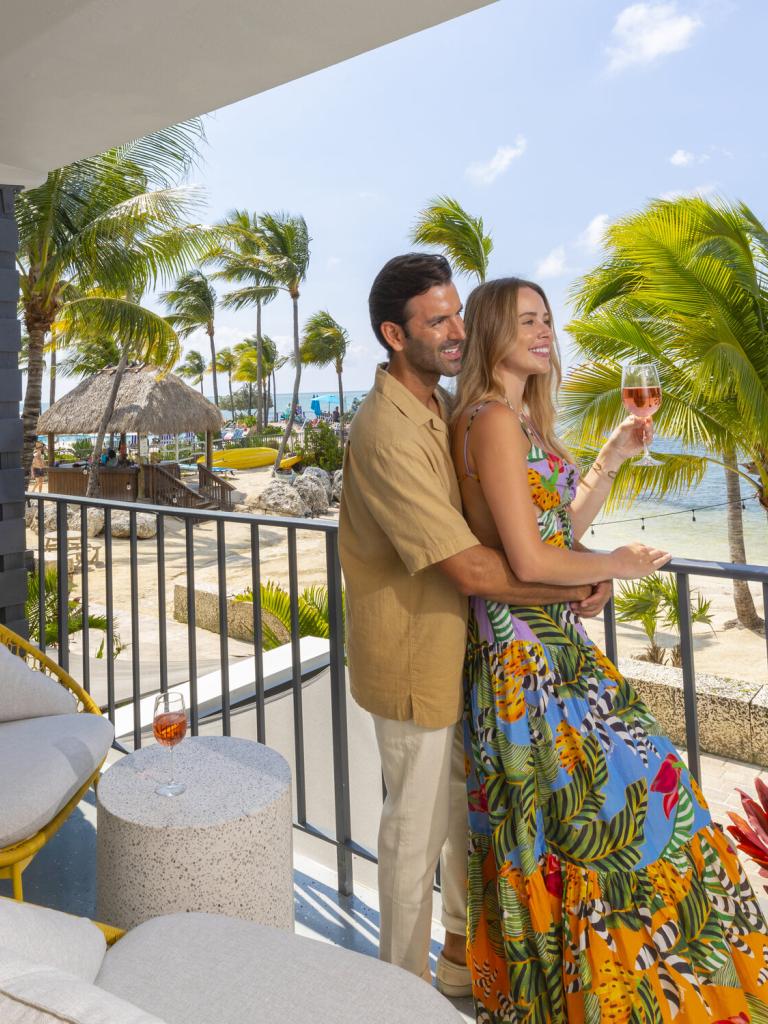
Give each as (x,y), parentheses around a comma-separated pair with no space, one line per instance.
(641,395)
(170,727)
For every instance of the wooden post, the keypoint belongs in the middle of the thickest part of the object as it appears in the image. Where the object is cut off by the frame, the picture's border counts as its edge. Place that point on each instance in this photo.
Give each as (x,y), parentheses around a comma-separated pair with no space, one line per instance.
(51,446)
(208,449)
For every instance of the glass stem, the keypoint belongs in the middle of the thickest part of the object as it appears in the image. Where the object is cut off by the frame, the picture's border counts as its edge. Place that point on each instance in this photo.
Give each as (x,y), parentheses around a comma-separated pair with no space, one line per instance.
(173,773)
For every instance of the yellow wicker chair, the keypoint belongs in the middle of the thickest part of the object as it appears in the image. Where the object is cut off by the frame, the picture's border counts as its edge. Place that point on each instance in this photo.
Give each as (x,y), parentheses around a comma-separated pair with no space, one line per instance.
(15,859)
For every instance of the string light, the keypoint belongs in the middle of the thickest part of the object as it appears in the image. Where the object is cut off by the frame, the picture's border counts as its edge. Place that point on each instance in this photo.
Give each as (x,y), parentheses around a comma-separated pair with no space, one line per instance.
(678,512)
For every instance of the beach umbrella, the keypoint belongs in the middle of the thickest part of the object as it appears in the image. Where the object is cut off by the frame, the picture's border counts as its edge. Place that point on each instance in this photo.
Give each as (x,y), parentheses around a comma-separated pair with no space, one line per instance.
(315,406)
(328,400)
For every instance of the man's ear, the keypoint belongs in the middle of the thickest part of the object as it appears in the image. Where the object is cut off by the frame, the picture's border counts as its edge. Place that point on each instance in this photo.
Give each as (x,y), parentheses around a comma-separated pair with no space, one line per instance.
(394,335)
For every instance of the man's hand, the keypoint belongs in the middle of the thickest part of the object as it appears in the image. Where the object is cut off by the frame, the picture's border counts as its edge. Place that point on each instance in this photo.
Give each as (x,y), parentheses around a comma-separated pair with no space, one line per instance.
(597,600)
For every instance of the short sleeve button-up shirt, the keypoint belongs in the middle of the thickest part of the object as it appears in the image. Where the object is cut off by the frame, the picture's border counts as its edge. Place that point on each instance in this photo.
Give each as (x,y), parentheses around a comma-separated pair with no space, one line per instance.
(400,515)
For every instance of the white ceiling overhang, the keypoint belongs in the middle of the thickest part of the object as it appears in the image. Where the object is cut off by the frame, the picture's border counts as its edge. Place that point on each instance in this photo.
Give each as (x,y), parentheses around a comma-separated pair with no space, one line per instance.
(79,76)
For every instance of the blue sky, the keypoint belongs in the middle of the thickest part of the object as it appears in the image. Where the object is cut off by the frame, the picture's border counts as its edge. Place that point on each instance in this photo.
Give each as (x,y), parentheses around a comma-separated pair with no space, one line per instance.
(549,120)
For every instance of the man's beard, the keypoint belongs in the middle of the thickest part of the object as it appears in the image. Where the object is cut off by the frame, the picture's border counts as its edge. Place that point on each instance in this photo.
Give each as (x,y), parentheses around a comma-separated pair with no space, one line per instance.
(427,360)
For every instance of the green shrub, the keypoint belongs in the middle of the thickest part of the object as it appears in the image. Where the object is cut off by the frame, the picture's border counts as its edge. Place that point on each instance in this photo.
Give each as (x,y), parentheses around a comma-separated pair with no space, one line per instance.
(321,447)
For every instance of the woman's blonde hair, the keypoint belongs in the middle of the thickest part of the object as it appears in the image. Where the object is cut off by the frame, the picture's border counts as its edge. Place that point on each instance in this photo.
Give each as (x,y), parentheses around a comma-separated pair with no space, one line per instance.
(491,325)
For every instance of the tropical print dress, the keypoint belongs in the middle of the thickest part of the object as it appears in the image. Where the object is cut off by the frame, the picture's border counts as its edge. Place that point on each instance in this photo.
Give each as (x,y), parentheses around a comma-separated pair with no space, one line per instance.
(599,888)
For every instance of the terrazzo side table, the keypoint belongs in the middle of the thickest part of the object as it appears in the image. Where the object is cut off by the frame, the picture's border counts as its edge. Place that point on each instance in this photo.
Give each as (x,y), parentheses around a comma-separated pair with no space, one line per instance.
(223,846)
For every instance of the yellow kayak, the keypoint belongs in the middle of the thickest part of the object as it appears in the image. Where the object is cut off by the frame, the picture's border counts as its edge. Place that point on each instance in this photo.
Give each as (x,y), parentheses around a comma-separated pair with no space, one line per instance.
(249,458)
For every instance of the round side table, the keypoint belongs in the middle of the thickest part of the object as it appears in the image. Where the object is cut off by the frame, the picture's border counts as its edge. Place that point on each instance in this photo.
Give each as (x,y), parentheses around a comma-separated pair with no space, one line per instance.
(223,846)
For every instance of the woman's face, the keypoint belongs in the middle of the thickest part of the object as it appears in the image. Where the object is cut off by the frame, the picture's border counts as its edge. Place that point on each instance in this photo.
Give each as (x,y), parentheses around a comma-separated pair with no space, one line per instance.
(530,352)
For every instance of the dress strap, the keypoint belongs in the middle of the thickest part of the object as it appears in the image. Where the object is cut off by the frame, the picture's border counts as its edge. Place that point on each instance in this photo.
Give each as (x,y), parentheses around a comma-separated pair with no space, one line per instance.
(468,474)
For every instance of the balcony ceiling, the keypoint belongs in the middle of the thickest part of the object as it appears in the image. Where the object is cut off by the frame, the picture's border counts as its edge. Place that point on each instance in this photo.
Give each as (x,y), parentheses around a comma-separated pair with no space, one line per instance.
(79,76)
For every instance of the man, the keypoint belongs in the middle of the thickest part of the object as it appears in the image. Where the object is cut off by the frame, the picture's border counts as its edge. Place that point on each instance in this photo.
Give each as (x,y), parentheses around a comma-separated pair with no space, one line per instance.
(410,561)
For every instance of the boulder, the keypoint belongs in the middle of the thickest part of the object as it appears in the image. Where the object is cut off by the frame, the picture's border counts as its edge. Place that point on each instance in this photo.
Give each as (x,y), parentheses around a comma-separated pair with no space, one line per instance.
(314,494)
(280,499)
(336,488)
(94,517)
(316,473)
(146,525)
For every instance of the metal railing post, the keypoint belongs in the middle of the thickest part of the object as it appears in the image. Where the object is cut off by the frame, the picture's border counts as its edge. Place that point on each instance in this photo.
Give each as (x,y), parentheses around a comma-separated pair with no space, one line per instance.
(689,676)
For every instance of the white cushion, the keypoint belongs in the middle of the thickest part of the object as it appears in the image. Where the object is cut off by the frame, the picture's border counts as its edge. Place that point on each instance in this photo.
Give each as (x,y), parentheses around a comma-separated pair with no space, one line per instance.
(229,971)
(31,994)
(50,938)
(25,693)
(43,762)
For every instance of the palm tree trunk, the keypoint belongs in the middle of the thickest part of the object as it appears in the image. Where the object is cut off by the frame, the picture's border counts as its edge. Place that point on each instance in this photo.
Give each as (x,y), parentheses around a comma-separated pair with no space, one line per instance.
(33,394)
(52,381)
(296,381)
(201,388)
(93,476)
(213,365)
(231,399)
(339,369)
(274,391)
(259,371)
(746,613)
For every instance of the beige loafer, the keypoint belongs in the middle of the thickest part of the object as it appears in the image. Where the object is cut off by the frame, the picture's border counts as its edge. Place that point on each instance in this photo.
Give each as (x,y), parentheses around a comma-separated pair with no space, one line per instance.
(453,980)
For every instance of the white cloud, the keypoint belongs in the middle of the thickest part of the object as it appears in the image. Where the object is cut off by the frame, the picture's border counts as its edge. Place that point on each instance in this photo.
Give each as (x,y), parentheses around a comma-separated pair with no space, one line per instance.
(682,158)
(333,262)
(592,236)
(643,32)
(485,173)
(554,264)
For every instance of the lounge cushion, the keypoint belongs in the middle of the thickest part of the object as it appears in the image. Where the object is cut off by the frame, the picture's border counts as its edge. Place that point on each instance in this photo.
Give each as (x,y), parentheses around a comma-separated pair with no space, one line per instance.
(31,994)
(26,693)
(229,971)
(51,939)
(43,762)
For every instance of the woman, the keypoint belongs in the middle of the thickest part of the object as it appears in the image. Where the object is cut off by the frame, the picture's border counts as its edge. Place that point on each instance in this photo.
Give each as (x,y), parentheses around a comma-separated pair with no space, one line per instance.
(599,889)
(38,468)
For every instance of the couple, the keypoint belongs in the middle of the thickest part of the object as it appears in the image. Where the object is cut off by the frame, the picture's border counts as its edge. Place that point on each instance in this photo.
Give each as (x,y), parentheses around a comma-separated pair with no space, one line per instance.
(597,888)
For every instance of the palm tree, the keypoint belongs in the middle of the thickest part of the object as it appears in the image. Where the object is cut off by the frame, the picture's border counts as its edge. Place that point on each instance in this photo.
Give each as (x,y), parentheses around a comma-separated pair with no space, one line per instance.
(193,306)
(255,361)
(285,254)
(193,368)
(242,262)
(97,232)
(683,284)
(226,362)
(325,342)
(446,224)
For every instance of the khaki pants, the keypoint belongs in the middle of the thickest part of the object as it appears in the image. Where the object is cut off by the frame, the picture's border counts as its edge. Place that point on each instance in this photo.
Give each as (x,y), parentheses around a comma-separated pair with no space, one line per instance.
(424,820)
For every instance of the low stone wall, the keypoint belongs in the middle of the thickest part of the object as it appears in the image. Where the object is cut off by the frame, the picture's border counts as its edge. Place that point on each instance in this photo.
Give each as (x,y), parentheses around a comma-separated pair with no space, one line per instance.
(239,613)
(733,715)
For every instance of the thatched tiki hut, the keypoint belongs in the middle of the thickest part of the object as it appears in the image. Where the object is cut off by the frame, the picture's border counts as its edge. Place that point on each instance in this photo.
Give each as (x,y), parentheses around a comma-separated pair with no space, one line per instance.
(148,402)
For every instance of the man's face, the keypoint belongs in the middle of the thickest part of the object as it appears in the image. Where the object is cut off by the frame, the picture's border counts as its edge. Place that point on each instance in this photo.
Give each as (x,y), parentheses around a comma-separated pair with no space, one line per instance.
(432,339)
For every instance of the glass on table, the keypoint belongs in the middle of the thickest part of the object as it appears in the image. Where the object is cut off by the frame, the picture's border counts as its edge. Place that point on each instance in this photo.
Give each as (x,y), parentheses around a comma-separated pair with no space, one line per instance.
(169,726)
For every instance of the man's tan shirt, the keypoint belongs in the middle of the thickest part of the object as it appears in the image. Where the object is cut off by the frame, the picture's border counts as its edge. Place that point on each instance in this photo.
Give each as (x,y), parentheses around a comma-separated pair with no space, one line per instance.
(400,514)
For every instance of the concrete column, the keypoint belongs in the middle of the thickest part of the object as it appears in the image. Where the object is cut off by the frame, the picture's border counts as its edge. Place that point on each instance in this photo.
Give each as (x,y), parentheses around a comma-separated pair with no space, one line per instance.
(13,578)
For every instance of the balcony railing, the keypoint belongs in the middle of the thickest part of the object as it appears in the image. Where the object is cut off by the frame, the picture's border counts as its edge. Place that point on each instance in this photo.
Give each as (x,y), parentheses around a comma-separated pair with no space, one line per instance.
(254,698)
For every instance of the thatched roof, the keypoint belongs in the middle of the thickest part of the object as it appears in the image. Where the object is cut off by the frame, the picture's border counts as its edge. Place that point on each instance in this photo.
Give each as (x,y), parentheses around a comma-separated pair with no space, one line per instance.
(147,403)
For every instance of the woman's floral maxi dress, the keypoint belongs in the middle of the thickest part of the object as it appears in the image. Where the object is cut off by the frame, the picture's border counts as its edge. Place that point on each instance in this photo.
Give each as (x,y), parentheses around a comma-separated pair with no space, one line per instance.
(599,888)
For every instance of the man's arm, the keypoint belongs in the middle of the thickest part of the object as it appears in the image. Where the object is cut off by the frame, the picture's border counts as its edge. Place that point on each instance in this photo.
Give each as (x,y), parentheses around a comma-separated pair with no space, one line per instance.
(479,571)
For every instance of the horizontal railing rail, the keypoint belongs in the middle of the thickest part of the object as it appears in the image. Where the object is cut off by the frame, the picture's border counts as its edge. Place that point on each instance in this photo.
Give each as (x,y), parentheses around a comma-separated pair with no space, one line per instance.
(71,517)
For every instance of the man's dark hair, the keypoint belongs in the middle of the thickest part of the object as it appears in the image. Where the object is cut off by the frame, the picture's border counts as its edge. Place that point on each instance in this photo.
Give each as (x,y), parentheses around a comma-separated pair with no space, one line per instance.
(399,280)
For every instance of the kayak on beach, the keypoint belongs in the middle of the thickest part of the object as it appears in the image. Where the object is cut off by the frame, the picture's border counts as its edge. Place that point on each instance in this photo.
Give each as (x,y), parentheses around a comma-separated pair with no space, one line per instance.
(249,458)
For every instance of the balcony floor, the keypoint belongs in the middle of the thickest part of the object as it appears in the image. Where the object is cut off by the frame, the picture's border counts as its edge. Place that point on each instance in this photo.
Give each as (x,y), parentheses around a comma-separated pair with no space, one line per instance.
(63,875)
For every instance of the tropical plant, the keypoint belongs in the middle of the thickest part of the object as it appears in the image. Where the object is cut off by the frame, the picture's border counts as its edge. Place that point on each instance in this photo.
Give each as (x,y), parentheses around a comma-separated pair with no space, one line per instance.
(321,446)
(314,616)
(242,262)
(285,254)
(684,283)
(193,368)
(446,224)
(75,619)
(193,307)
(95,235)
(256,359)
(226,362)
(654,599)
(325,342)
(752,835)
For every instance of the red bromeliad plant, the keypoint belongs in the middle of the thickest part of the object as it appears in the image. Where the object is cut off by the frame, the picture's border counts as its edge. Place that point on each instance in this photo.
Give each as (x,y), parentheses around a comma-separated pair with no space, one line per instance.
(752,835)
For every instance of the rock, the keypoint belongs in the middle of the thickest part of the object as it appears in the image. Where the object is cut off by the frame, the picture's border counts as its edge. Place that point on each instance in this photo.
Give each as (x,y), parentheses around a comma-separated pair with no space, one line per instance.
(316,473)
(146,525)
(336,487)
(314,494)
(95,518)
(280,499)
